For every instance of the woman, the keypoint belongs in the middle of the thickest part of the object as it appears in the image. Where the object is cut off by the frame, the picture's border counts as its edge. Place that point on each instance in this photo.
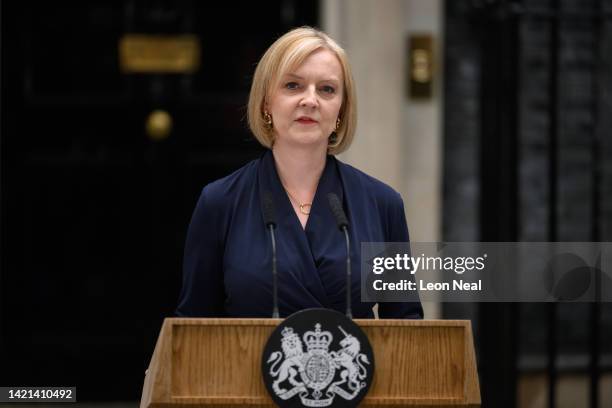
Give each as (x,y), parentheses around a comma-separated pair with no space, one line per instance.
(302,108)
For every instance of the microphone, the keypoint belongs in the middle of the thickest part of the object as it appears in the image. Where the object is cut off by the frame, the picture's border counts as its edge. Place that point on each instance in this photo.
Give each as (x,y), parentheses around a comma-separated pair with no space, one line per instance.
(270,221)
(342,221)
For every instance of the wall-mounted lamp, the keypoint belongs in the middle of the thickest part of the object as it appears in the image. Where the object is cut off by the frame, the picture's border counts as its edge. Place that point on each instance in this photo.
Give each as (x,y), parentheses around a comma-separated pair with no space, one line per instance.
(420,66)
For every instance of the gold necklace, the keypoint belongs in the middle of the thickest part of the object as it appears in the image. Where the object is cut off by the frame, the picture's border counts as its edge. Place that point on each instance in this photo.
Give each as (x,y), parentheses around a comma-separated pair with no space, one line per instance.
(304,207)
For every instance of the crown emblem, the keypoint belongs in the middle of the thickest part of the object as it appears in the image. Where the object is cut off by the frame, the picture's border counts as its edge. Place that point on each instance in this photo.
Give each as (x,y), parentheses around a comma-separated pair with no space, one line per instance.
(318,340)
(288,332)
(291,344)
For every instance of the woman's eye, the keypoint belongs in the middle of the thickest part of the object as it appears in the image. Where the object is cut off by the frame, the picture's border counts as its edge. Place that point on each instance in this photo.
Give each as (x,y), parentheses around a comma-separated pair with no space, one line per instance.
(292,85)
(328,89)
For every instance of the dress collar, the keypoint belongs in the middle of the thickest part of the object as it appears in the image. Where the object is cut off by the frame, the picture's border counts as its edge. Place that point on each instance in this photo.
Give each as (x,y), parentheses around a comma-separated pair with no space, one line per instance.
(269,180)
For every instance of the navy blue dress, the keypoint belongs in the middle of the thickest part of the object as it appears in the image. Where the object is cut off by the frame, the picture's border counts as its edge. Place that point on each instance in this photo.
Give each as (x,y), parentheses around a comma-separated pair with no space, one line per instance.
(227,262)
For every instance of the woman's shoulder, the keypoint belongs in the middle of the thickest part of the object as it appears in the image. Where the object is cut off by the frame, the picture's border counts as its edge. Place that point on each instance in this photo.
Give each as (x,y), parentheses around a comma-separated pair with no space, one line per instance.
(380,190)
(226,189)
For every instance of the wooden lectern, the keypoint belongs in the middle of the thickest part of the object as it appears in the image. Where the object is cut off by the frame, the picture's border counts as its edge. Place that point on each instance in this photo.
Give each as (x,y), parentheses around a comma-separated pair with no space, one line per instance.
(217,363)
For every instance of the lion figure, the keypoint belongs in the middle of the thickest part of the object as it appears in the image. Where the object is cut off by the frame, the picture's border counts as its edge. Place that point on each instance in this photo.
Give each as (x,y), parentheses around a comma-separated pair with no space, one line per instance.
(293,351)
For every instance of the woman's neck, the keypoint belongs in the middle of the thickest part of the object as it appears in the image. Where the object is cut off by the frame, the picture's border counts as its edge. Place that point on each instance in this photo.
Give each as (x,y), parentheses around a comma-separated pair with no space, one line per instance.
(299,169)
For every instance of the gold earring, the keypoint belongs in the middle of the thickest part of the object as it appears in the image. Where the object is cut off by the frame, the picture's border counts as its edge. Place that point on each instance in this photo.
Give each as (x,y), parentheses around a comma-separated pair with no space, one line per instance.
(337,124)
(332,139)
(267,119)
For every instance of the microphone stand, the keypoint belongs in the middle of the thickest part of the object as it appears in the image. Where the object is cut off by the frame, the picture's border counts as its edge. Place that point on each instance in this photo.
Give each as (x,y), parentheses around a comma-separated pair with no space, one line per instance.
(269,220)
(349,312)
(275,314)
(342,221)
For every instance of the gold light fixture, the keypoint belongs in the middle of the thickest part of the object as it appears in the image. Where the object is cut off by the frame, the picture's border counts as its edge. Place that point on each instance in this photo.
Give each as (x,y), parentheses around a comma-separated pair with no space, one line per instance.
(159,125)
(421,66)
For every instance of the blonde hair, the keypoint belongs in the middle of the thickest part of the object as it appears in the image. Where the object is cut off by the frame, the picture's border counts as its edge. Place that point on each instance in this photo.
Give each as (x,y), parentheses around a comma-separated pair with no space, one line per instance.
(285,55)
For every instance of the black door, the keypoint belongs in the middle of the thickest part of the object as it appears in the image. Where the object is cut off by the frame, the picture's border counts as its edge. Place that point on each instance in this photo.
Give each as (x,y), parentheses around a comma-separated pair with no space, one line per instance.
(94,209)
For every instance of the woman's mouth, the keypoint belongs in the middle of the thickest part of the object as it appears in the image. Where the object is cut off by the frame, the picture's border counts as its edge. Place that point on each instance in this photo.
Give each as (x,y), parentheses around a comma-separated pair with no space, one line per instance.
(306,121)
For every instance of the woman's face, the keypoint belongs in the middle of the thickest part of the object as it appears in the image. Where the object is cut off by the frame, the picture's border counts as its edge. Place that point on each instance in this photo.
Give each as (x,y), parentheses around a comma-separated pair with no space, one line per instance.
(306,103)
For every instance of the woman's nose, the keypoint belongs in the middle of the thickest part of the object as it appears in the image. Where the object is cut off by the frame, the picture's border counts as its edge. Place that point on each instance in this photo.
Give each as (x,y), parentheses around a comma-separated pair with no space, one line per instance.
(310,98)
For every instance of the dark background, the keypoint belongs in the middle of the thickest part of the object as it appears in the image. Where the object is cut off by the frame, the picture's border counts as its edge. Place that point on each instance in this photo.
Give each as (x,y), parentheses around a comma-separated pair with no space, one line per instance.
(94,212)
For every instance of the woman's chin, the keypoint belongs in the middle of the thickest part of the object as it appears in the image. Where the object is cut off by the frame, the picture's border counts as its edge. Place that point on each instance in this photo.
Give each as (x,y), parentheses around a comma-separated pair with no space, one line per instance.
(306,140)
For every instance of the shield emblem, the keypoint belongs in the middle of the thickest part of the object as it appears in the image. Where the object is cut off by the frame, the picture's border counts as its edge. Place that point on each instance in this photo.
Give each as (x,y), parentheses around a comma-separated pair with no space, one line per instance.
(316,358)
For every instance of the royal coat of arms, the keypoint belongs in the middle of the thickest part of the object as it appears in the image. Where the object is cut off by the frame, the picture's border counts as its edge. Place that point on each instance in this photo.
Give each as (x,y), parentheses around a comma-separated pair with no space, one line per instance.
(317,375)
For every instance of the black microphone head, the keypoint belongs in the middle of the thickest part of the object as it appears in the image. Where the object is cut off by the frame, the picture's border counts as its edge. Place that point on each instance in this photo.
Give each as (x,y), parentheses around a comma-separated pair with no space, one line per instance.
(268,209)
(336,209)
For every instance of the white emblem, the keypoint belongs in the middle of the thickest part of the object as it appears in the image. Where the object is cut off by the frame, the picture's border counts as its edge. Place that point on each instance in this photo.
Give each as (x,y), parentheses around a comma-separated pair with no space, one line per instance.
(318,367)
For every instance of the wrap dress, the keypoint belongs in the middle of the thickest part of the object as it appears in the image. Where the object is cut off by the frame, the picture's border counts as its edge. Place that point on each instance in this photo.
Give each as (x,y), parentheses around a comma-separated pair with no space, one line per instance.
(227,267)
